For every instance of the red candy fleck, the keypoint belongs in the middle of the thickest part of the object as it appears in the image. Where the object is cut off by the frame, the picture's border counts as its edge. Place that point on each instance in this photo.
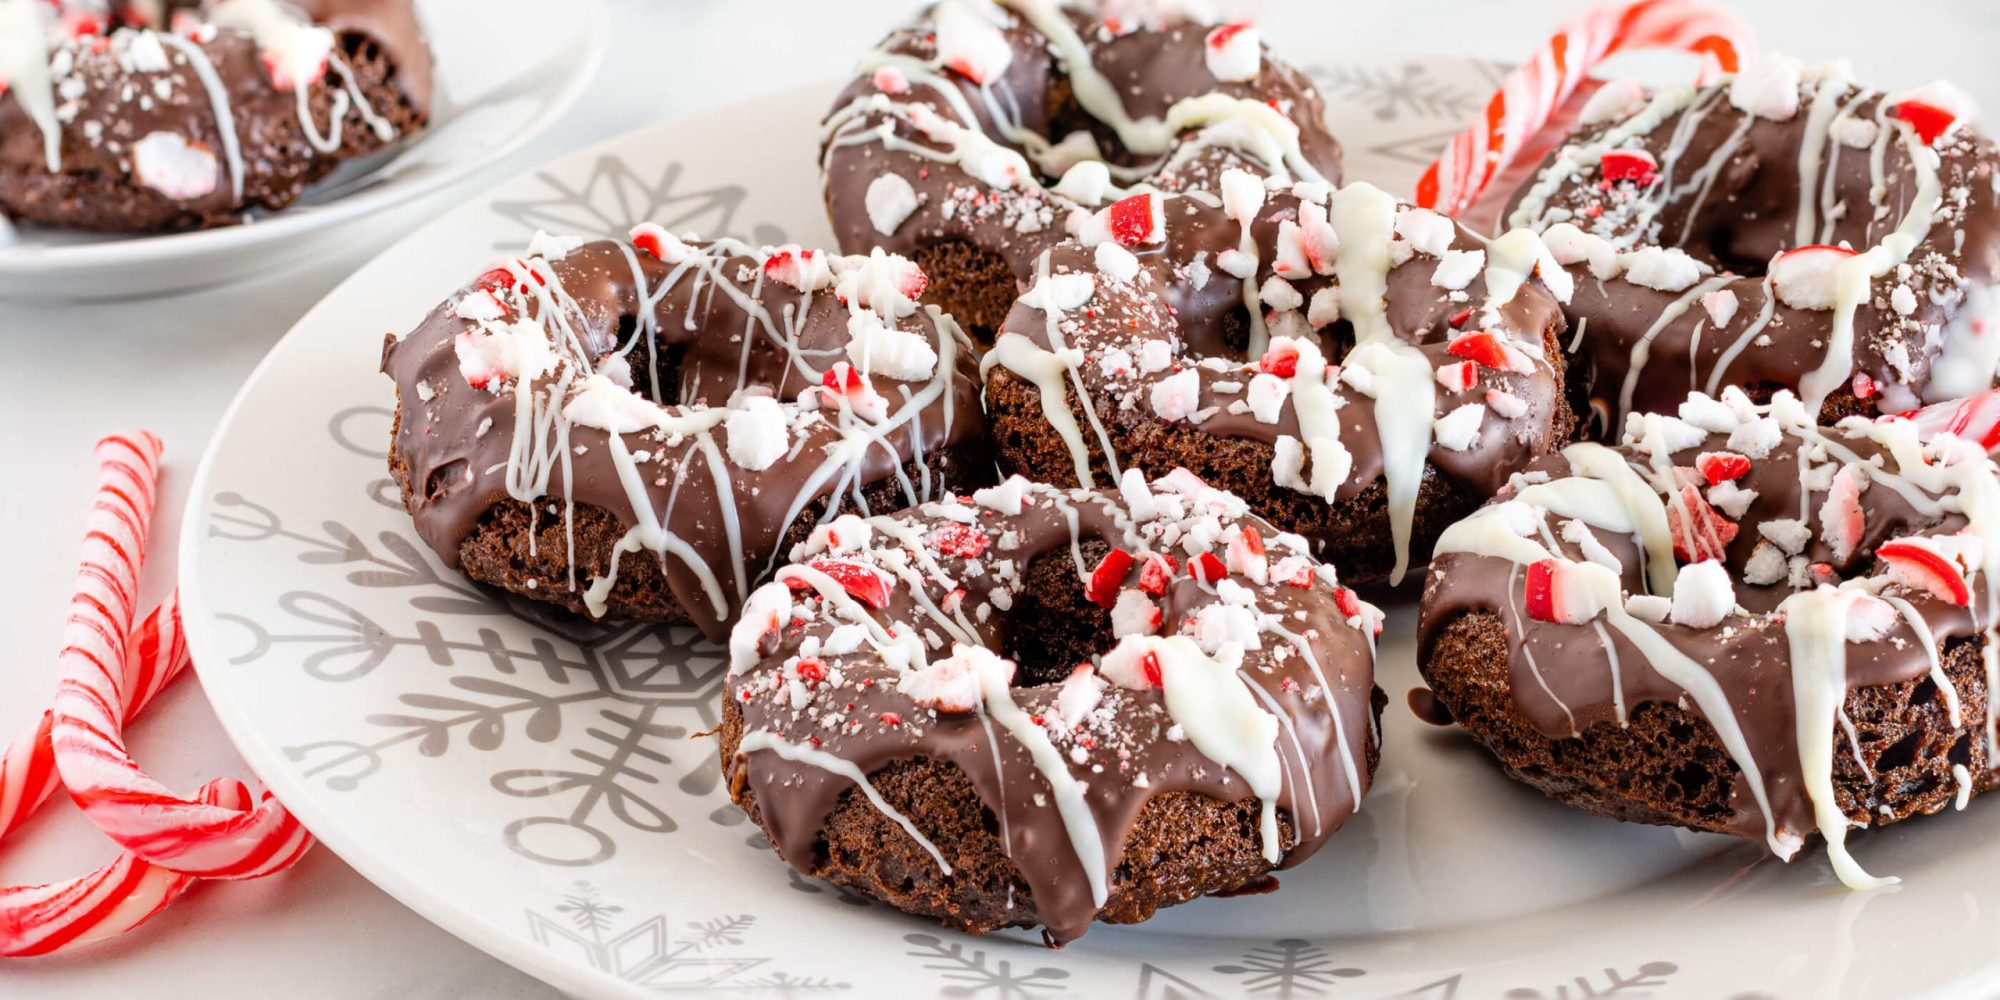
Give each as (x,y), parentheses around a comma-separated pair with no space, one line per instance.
(1722,466)
(498,277)
(1634,165)
(1156,574)
(1219,38)
(1929,121)
(1281,359)
(1136,220)
(1347,601)
(1207,568)
(863,583)
(810,669)
(1480,348)
(959,540)
(1149,664)
(1108,577)
(890,719)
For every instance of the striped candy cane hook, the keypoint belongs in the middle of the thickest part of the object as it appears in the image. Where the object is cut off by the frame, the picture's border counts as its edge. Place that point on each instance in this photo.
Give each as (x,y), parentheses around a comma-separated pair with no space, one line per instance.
(111,673)
(1531,94)
(190,836)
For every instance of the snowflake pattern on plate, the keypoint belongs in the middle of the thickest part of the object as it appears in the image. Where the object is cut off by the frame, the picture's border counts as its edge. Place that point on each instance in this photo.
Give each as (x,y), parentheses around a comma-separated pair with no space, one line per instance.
(655,953)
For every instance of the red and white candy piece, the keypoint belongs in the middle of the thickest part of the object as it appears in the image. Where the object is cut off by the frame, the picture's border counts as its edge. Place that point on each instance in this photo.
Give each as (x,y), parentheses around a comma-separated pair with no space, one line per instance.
(1134,614)
(1139,220)
(654,239)
(1232,53)
(1281,358)
(805,270)
(1974,418)
(1809,277)
(1108,577)
(1558,591)
(1933,111)
(1530,95)
(1157,573)
(1246,555)
(969,44)
(1917,563)
(862,582)
(1842,521)
(1699,533)
(953,685)
(1722,466)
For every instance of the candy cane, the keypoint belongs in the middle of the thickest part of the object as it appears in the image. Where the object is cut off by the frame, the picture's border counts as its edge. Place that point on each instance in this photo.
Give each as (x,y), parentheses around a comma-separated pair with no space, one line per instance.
(192,836)
(1530,94)
(28,766)
(39,919)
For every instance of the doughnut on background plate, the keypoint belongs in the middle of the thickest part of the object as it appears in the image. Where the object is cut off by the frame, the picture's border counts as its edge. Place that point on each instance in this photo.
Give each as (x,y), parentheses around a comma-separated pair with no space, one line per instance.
(535,785)
(506,70)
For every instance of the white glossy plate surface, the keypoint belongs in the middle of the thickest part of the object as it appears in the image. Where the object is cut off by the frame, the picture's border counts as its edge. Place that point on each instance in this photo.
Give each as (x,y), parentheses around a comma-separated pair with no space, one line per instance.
(536,786)
(506,71)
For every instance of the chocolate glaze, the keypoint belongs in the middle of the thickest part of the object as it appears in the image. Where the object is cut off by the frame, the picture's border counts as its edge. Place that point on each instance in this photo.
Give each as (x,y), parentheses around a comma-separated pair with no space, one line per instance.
(115,104)
(1180,298)
(860,716)
(1151,67)
(1166,305)
(1730,195)
(697,336)
(1564,677)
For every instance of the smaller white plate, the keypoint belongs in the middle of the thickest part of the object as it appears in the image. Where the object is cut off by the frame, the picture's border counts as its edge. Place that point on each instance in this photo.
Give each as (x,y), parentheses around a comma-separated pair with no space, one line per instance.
(506,71)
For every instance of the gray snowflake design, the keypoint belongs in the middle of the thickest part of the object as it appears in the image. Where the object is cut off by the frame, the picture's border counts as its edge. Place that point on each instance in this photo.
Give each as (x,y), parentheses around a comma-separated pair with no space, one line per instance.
(639,687)
(1287,968)
(615,195)
(657,952)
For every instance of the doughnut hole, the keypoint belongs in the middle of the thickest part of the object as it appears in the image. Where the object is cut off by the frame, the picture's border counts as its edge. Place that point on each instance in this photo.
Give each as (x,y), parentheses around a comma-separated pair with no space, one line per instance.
(658,371)
(974,285)
(1053,626)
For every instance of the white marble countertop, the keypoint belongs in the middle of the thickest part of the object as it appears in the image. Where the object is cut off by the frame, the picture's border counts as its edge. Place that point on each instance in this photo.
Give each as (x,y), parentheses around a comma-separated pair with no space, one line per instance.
(172,365)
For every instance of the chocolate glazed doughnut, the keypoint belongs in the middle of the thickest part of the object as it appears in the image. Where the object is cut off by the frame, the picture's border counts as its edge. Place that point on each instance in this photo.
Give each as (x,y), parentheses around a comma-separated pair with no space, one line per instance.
(642,430)
(1784,228)
(1052,706)
(1403,366)
(111,121)
(970,138)
(1738,620)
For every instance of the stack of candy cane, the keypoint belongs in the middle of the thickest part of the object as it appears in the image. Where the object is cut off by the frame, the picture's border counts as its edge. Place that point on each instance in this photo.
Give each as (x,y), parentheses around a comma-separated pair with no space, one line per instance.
(110,671)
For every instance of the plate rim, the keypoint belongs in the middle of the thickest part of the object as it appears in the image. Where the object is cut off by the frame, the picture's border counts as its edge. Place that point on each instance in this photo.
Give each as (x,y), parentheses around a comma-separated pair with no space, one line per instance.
(138,247)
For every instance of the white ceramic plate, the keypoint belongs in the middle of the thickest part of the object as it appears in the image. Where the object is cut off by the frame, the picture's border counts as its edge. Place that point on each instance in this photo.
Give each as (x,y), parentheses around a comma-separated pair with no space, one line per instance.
(506,71)
(538,786)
